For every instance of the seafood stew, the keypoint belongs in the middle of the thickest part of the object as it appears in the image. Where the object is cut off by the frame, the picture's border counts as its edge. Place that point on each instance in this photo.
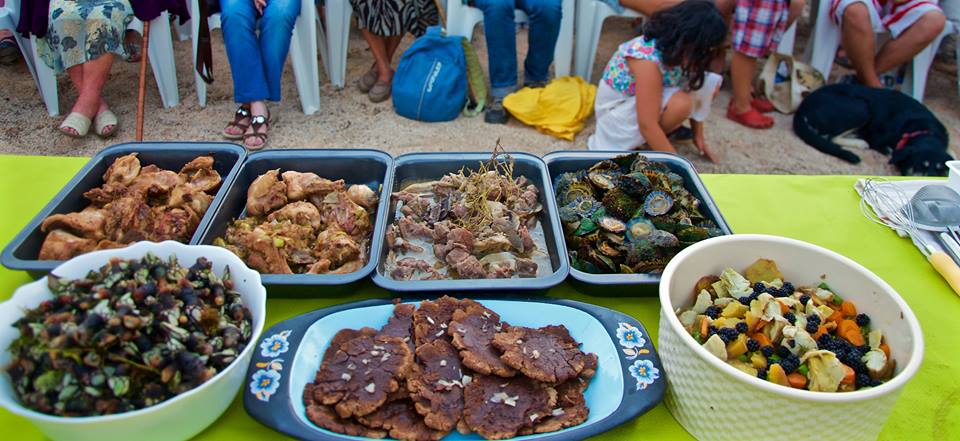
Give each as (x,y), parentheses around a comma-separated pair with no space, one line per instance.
(673,211)
(505,233)
(330,198)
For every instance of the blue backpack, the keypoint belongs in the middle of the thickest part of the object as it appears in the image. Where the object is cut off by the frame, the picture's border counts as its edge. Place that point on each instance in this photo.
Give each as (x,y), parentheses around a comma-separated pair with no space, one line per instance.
(430,83)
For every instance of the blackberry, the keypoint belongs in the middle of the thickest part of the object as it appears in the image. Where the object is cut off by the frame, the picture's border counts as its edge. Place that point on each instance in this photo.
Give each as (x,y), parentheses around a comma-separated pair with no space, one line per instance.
(711,330)
(762,373)
(813,318)
(759,288)
(767,351)
(728,334)
(863,320)
(804,299)
(745,300)
(812,327)
(863,380)
(790,318)
(713,312)
(753,345)
(742,327)
(788,288)
(783,352)
(774,292)
(790,364)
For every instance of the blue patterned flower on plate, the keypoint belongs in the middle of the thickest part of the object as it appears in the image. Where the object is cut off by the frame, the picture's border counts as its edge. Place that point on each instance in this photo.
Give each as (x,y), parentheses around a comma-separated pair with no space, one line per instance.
(264,384)
(630,336)
(645,373)
(275,344)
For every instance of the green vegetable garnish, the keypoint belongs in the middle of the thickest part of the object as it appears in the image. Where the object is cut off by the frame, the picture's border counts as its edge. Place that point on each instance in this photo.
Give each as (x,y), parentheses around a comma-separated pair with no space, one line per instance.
(803,369)
(743,358)
(696,336)
(837,299)
(823,285)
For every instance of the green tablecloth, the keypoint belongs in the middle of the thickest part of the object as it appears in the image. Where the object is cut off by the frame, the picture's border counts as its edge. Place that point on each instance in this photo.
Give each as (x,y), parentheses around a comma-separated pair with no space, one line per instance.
(822,210)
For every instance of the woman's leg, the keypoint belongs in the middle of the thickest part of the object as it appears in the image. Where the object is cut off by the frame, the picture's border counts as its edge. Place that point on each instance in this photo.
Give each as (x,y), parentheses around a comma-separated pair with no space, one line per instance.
(393,42)
(238,21)
(276,28)
(378,46)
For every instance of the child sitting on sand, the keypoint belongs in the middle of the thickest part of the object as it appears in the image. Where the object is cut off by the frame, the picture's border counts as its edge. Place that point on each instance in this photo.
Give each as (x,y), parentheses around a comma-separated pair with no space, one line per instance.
(643,94)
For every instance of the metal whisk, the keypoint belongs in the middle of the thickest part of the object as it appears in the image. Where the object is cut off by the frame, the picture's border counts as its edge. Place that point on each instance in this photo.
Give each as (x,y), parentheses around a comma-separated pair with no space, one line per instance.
(891,207)
(886,204)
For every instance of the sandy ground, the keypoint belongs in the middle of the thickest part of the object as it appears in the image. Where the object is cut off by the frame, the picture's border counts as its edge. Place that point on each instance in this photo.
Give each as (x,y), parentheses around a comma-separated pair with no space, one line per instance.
(348,120)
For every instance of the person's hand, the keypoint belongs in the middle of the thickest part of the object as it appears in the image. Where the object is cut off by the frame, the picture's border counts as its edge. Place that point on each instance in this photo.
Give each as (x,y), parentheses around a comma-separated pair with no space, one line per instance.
(260,4)
(701,145)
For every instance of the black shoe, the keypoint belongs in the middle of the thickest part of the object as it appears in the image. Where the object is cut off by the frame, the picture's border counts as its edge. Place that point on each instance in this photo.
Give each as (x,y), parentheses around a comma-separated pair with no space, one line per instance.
(682,133)
(535,84)
(495,113)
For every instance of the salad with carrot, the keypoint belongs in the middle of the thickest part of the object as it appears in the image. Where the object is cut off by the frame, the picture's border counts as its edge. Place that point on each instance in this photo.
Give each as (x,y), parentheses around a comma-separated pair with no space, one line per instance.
(805,337)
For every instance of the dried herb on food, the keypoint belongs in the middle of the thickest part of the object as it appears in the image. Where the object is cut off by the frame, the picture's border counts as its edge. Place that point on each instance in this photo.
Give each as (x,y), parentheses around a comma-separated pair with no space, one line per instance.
(128,336)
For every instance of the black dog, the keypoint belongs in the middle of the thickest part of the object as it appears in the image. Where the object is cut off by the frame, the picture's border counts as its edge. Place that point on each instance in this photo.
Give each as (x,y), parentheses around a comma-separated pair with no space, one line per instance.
(885,120)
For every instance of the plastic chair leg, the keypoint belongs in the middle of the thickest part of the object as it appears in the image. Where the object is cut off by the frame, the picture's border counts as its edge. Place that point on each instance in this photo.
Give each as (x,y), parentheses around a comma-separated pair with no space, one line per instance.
(303,56)
(915,82)
(322,47)
(584,23)
(600,13)
(46,81)
(563,52)
(338,33)
(162,61)
(826,40)
(462,19)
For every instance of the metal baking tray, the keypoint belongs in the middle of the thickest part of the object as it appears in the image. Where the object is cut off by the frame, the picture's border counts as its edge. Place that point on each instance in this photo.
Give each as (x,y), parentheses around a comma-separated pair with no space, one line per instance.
(21,253)
(417,167)
(621,284)
(369,167)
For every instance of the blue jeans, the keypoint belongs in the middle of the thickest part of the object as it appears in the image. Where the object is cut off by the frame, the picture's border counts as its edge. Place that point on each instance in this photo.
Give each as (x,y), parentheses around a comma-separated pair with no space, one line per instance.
(500,31)
(256,62)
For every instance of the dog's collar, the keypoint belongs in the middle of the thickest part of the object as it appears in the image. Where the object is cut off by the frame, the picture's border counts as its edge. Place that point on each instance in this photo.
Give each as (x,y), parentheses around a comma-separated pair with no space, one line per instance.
(907,137)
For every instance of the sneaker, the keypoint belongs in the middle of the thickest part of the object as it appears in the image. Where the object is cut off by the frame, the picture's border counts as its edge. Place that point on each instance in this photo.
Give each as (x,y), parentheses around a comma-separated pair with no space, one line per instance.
(535,84)
(495,113)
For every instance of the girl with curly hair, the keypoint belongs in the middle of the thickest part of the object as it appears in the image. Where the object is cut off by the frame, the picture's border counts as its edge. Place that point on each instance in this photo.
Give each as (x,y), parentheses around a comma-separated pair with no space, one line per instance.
(657,80)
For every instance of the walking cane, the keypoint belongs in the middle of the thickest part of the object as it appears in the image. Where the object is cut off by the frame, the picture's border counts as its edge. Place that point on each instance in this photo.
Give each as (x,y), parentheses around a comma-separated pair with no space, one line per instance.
(143,78)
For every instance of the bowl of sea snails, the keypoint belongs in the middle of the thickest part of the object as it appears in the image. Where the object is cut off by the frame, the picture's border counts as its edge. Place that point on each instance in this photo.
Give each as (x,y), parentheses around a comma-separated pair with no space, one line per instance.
(147,342)
(766,325)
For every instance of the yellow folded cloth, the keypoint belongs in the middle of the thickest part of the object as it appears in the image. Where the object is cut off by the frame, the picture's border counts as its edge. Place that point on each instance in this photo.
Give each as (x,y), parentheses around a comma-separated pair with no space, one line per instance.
(559,109)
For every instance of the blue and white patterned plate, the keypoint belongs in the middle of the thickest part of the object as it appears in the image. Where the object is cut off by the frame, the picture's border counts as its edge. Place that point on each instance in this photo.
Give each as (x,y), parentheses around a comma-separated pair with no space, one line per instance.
(629,380)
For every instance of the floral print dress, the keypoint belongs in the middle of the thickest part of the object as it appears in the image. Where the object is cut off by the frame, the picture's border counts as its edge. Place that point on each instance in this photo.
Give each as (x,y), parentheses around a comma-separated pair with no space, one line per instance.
(83,30)
(617,73)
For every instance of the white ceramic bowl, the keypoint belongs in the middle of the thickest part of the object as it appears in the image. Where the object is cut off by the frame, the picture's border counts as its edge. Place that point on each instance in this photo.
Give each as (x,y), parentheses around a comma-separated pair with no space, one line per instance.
(178,418)
(715,401)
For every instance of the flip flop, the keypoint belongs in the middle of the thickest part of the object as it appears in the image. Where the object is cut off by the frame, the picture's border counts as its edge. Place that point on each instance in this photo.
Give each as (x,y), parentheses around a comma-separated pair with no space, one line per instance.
(751,118)
(243,112)
(762,104)
(103,120)
(76,121)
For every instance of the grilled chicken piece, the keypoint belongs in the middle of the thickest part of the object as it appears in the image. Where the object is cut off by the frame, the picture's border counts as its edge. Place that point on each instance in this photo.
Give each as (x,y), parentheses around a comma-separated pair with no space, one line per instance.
(172,223)
(266,194)
(338,210)
(337,248)
(61,245)
(363,196)
(184,196)
(128,219)
(300,213)
(88,223)
(303,185)
(123,170)
(199,174)
(154,182)
(263,254)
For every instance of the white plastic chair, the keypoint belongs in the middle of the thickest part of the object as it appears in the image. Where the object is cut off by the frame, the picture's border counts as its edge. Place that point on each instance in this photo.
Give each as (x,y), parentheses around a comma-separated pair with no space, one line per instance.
(303,53)
(461,19)
(9,15)
(161,61)
(590,17)
(826,41)
(337,35)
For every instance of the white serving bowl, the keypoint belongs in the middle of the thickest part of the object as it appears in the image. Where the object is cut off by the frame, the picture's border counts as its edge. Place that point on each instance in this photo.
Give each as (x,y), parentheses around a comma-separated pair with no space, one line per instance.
(178,418)
(714,401)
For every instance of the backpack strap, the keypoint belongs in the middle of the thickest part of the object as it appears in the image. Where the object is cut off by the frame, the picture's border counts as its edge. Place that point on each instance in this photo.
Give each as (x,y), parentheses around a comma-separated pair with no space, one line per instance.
(204,60)
(476,81)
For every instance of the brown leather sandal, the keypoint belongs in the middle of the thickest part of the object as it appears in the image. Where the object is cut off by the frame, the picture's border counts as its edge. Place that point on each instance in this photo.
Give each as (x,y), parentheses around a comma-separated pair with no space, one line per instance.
(256,123)
(243,112)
